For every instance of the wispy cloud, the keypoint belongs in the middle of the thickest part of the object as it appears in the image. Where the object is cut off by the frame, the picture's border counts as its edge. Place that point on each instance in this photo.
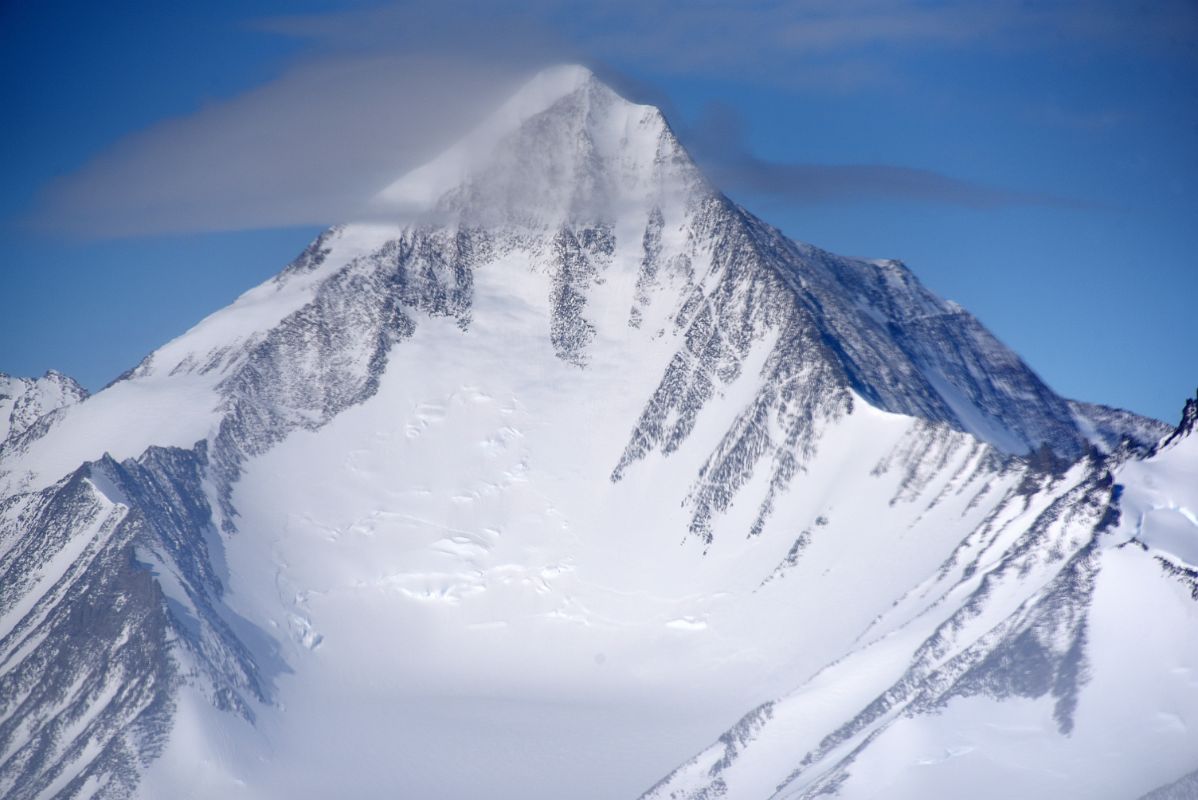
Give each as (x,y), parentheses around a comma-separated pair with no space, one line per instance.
(718,142)
(810,184)
(311,147)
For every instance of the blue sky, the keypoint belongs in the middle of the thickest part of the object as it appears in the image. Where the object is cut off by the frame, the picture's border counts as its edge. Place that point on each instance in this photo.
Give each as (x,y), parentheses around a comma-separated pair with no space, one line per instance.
(1038,163)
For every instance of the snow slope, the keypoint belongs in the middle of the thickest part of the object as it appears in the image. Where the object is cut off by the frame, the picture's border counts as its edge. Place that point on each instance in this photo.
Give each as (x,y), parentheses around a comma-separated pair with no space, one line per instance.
(1052,663)
(543,484)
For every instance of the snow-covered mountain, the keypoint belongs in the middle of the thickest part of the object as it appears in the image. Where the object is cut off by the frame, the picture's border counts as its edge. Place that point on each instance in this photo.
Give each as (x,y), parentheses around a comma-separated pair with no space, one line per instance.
(537,489)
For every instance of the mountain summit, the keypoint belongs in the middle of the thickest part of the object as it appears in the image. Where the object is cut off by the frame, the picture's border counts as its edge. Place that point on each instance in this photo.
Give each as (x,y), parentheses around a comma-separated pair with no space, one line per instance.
(563,149)
(541,484)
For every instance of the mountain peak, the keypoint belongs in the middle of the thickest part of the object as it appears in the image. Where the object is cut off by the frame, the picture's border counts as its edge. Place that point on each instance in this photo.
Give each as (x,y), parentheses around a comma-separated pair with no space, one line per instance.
(564,147)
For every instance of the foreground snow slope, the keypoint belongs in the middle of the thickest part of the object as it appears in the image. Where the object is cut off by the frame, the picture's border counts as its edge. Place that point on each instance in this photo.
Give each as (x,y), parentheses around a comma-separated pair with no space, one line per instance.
(542,488)
(1052,656)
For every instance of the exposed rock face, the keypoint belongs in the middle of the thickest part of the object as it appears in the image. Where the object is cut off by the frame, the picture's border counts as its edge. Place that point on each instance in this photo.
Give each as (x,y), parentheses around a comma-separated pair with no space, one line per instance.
(1189,421)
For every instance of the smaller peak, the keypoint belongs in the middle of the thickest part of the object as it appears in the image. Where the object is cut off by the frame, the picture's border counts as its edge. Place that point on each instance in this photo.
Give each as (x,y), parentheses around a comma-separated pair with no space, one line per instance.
(65,381)
(49,376)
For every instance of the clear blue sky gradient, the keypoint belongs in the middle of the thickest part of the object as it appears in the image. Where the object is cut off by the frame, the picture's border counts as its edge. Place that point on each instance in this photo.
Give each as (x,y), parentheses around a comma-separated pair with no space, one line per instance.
(1087,268)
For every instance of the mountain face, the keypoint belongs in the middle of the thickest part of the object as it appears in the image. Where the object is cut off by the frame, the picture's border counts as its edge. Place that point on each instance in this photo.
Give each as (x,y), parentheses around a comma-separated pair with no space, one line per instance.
(544,487)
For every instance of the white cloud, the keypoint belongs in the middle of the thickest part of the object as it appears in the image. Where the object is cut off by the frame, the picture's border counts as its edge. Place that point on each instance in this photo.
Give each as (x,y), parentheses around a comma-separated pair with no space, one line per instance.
(306,148)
